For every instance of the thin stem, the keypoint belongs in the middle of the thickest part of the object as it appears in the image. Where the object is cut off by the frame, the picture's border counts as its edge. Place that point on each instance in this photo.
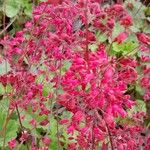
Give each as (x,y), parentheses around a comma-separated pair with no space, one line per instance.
(93,138)
(107,127)
(110,46)
(6,27)
(86,27)
(58,86)
(20,122)
(110,137)
(19,116)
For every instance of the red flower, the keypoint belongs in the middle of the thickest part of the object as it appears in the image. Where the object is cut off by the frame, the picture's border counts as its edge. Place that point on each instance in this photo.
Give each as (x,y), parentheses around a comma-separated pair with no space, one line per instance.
(143,38)
(117,8)
(78,116)
(64,121)
(121,37)
(55,2)
(111,23)
(44,122)
(12,143)
(46,140)
(24,136)
(126,21)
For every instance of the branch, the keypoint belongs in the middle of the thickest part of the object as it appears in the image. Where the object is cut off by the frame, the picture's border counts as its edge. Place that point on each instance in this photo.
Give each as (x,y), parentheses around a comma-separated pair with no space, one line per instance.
(12,21)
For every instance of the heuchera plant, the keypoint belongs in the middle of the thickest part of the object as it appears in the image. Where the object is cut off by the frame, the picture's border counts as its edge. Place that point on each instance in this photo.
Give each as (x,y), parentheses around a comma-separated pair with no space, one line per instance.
(68,75)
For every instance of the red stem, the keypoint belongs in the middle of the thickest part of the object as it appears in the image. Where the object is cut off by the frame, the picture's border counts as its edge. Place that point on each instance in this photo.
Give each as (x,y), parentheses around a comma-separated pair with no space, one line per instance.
(86,55)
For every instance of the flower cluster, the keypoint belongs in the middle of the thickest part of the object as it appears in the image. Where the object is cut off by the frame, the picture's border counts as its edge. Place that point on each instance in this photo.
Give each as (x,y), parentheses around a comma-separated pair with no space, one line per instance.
(94,89)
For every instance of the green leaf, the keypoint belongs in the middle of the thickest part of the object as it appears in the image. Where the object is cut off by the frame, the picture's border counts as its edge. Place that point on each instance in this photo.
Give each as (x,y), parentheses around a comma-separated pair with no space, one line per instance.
(147,12)
(139,89)
(138,23)
(27,5)
(117,30)
(47,89)
(12,8)
(3,67)
(4,104)
(11,130)
(146,29)
(2,90)
(66,65)
(123,48)
(53,132)
(101,37)
(93,47)
(139,107)
(138,10)
(134,29)
(28,10)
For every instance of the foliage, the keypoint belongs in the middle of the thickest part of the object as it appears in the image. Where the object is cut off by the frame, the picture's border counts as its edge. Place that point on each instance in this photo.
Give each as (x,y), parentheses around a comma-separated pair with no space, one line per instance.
(16,12)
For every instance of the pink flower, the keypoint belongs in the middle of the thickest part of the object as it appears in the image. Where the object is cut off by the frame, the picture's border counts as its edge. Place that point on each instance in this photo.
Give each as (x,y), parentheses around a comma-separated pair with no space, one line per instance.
(127,21)
(33,122)
(12,143)
(128,62)
(98,24)
(24,136)
(3,80)
(91,36)
(54,2)
(98,134)
(147,96)
(30,95)
(110,120)
(108,74)
(104,146)
(111,23)
(34,148)
(147,144)
(118,111)
(78,116)
(121,37)
(64,121)
(143,38)
(118,8)
(46,140)
(28,25)
(82,141)
(72,146)
(44,122)
(71,129)
(131,144)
